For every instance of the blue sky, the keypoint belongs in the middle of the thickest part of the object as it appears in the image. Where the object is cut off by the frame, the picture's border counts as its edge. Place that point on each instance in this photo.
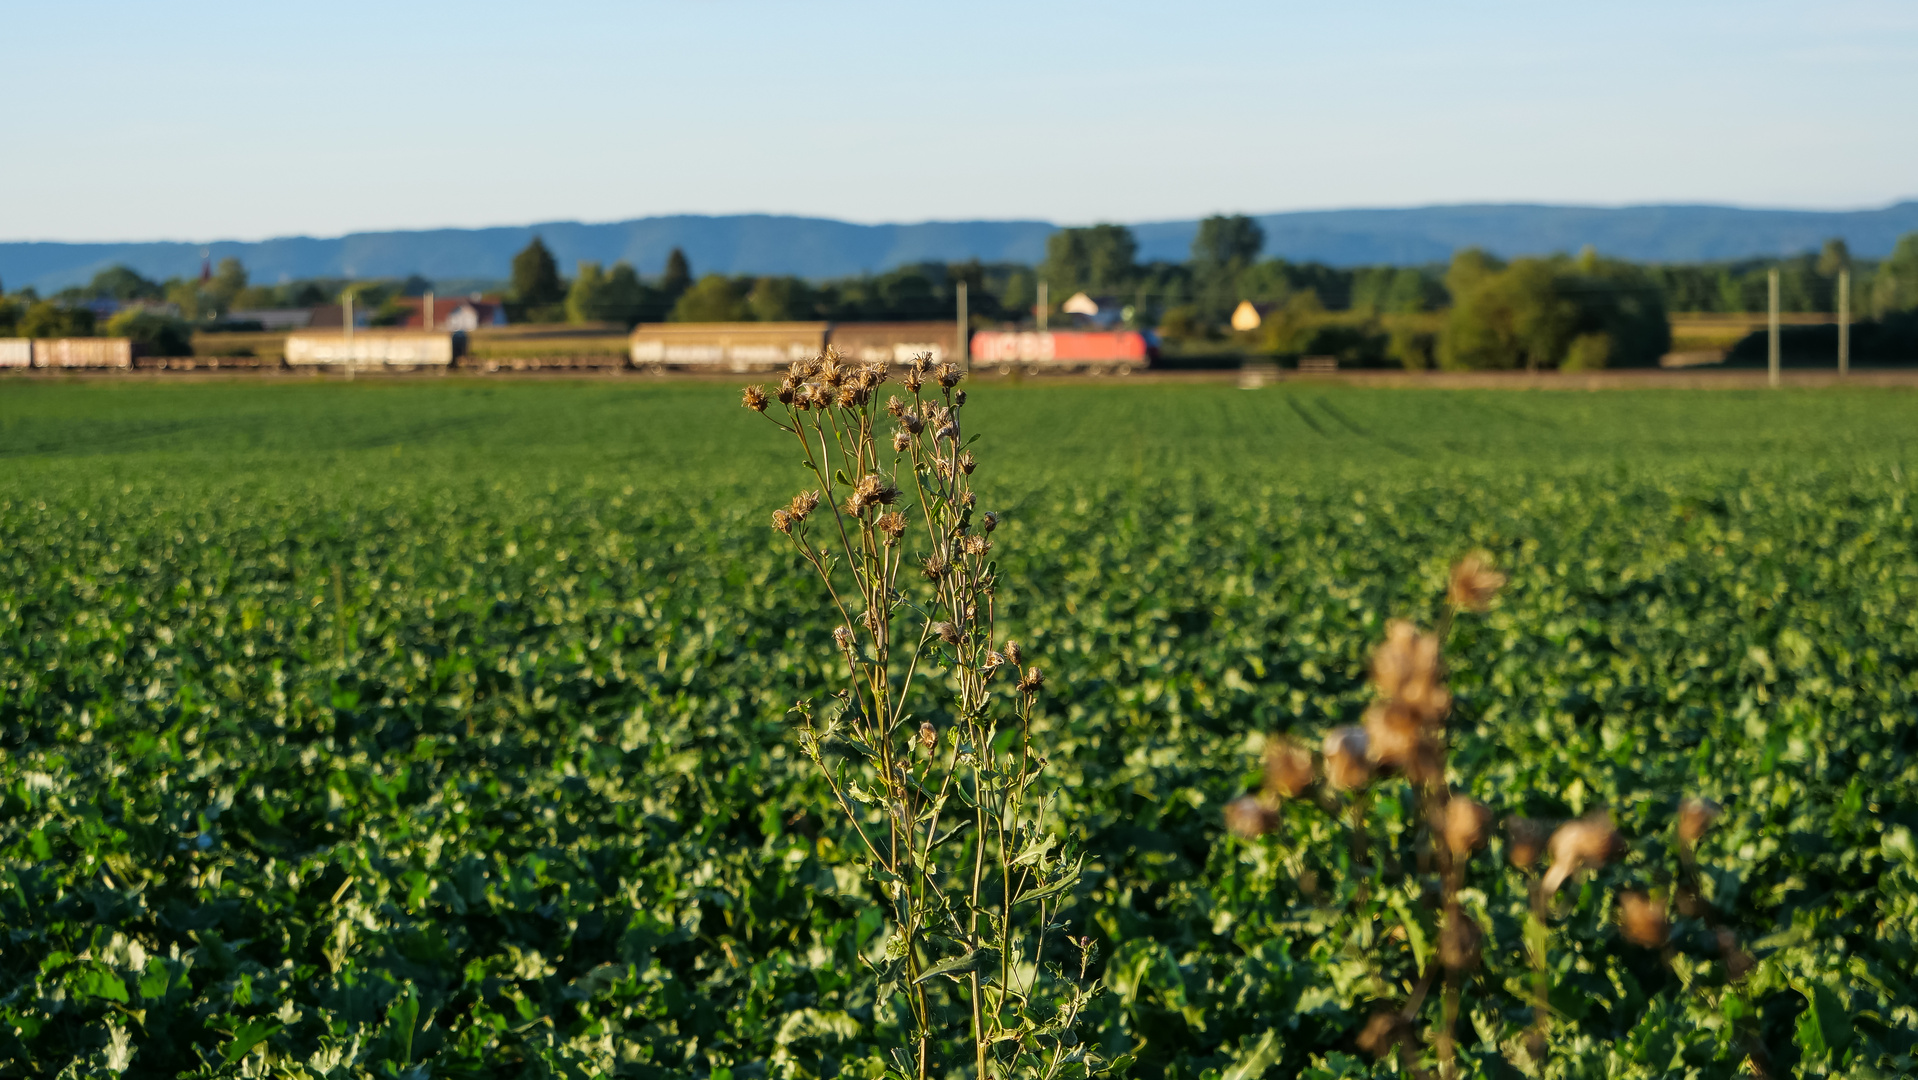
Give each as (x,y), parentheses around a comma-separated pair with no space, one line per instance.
(195,120)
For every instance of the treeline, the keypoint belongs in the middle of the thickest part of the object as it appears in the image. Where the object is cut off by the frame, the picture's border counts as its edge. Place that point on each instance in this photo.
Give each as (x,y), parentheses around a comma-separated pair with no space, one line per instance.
(1562,311)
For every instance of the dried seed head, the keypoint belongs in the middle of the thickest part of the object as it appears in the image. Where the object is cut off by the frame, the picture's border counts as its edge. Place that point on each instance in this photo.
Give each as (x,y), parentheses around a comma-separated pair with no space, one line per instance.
(919,364)
(873,374)
(1642,919)
(893,525)
(1393,736)
(1694,817)
(787,391)
(1459,941)
(959,397)
(977,545)
(799,371)
(1474,582)
(783,521)
(1014,653)
(946,632)
(851,397)
(1526,840)
(843,636)
(1466,822)
(802,397)
(831,372)
(754,398)
(993,662)
(966,500)
(872,490)
(913,422)
(804,504)
(901,442)
(949,376)
(912,380)
(1032,681)
(1246,816)
(895,407)
(928,737)
(947,431)
(1346,764)
(1383,1033)
(1406,670)
(1288,768)
(1589,841)
(966,464)
(989,521)
(935,568)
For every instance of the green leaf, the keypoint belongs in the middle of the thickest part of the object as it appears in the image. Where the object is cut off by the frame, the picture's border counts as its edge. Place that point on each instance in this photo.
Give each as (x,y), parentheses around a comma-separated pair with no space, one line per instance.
(1253,1064)
(247,1036)
(1824,1028)
(960,965)
(98,983)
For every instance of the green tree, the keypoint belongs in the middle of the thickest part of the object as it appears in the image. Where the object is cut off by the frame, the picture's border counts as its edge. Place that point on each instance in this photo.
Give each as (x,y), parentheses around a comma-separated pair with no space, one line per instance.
(779,299)
(229,280)
(624,298)
(714,298)
(123,283)
(1551,313)
(678,276)
(47,319)
(152,333)
(1097,258)
(1835,256)
(1895,285)
(1226,244)
(586,296)
(536,282)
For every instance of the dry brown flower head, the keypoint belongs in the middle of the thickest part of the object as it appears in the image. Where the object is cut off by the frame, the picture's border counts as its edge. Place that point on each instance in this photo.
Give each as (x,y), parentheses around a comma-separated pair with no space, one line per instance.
(1694,817)
(1475,584)
(804,504)
(1405,668)
(1246,816)
(1288,768)
(1525,841)
(928,737)
(1382,1033)
(1466,823)
(872,490)
(754,398)
(893,525)
(783,521)
(912,380)
(1589,841)
(843,636)
(935,568)
(989,521)
(966,463)
(946,632)
(993,661)
(949,376)
(1347,765)
(1032,681)
(1642,919)
(1014,653)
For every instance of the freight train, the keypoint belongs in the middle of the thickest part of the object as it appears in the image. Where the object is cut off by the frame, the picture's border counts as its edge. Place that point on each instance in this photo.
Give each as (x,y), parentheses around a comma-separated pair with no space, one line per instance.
(658,347)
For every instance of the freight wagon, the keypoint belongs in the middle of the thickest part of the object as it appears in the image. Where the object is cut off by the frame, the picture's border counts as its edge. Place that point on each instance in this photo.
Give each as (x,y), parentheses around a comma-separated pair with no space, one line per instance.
(725,346)
(83,352)
(382,348)
(1061,350)
(896,342)
(16,352)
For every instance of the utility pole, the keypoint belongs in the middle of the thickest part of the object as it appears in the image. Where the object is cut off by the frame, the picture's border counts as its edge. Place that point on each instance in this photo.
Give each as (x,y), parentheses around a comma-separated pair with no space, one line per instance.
(1844,322)
(1042,305)
(965,338)
(1772,353)
(346,311)
(428,310)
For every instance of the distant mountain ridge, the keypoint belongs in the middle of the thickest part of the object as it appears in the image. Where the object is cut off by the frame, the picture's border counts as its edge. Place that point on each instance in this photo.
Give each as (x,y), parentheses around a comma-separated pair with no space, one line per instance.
(824,248)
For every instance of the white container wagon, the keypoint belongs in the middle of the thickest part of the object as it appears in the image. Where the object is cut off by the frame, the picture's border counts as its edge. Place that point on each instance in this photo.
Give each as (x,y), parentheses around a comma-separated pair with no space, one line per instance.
(16,352)
(372,348)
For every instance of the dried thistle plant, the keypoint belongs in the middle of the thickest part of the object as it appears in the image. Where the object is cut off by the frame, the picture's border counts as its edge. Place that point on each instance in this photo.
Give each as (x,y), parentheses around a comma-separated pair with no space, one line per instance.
(929,749)
(1403,738)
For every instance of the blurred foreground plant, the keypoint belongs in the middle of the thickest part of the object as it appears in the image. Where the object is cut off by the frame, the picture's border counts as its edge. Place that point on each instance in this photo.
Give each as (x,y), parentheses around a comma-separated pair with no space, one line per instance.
(1414,904)
(928,748)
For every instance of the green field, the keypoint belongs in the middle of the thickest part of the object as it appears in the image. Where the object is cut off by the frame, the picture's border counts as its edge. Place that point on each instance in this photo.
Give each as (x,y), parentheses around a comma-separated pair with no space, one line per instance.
(424,729)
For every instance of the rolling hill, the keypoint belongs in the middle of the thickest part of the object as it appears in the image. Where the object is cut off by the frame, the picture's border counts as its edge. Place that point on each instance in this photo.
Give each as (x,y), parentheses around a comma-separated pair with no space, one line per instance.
(824,248)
